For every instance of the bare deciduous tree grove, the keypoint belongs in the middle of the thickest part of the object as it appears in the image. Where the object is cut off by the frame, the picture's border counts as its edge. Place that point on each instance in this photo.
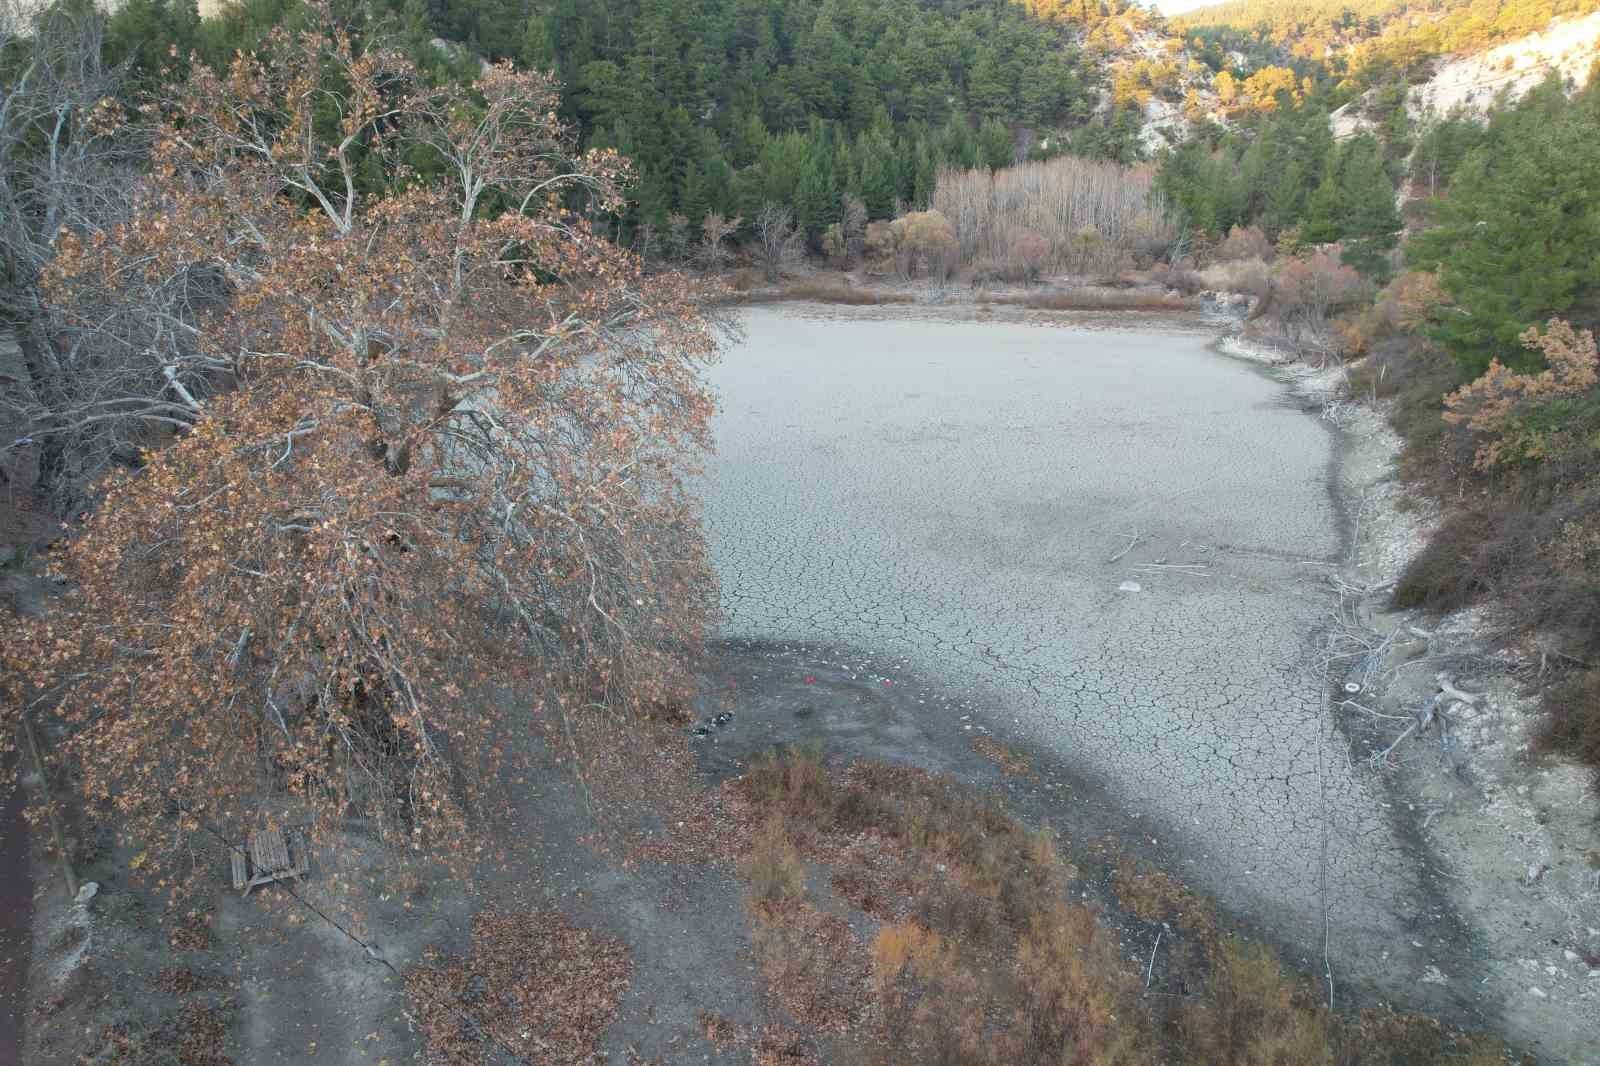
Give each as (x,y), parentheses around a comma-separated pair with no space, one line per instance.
(1064,200)
(94,384)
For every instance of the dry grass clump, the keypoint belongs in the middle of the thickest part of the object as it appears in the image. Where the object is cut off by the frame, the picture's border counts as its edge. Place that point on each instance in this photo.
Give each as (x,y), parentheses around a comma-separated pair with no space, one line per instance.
(1573,726)
(1012,763)
(792,785)
(823,291)
(773,866)
(534,984)
(813,964)
(1255,1015)
(1155,896)
(1095,299)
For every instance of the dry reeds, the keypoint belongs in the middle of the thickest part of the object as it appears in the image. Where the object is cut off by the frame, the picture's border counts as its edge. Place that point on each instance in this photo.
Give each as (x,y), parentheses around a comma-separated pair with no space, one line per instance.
(1095,215)
(1096,299)
(826,292)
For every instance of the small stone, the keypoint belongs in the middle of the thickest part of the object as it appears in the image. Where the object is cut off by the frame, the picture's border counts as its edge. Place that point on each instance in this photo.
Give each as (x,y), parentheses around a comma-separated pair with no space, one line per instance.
(1129,586)
(87,891)
(1537,992)
(1570,955)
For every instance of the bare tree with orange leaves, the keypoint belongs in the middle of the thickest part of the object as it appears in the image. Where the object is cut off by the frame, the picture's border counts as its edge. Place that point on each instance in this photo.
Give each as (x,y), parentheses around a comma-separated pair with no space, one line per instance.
(447,442)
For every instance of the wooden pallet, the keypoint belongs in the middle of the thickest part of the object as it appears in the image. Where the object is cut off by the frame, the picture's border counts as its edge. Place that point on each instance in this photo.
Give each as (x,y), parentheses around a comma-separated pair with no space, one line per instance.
(267,857)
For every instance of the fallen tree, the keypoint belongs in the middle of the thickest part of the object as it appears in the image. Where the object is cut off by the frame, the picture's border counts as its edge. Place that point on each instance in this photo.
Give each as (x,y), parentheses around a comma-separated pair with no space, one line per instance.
(446,445)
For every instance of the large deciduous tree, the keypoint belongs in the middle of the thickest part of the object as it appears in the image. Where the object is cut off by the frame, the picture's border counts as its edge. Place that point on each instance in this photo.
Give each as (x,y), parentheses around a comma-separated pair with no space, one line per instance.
(446,445)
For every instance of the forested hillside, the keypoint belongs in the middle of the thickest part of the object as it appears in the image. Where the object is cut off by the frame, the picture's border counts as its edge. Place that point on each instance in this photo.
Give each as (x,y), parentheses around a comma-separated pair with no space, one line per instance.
(725,105)
(1373,39)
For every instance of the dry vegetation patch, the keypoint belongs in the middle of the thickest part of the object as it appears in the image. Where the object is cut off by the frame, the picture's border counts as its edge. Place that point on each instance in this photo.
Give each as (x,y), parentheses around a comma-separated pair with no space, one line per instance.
(196,1036)
(983,958)
(534,984)
(826,291)
(1011,762)
(1097,299)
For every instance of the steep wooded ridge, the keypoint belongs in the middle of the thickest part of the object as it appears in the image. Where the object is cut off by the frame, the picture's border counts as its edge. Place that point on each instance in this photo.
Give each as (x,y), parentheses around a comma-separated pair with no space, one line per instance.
(1374,38)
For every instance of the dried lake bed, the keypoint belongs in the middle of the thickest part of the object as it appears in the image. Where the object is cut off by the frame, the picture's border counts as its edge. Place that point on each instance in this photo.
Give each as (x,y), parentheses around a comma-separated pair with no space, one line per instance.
(1111,545)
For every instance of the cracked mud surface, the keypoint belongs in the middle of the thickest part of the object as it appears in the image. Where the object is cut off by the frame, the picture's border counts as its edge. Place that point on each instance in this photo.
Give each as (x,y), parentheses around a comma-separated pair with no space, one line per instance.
(946,498)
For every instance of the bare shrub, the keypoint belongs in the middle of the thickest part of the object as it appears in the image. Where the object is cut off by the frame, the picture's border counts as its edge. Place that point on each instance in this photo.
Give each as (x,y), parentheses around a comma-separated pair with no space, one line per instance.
(1181,276)
(880,243)
(1304,292)
(1093,214)
(1250,276)
(715,230)
(773,867)
(1027,253)
(1311,286)
(852,226)
(779,244)
(85,388)
(1243,242)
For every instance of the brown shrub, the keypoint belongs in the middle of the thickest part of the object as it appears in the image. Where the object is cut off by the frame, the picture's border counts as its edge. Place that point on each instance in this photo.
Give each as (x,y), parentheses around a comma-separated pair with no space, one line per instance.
(1491,405)
(925,243)
(1181,276)
(772,866)
(1077,994)
(813,964)
(1255,1015)
(1444,576)
(1243,243)
(1310,287)
(991,963)
(791,784)
(718,1031)
(1155,896)
(1011,762)
(1409,299)
(1573,726)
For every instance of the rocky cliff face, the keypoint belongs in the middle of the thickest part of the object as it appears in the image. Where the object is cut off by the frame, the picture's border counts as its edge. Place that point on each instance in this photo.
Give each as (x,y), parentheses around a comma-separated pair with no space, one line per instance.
(1568,46)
